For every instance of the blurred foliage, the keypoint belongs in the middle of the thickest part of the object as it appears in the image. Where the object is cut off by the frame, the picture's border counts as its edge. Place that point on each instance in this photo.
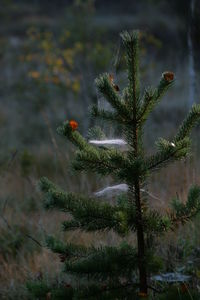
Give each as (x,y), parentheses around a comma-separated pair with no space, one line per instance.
(26,163)
(59,58)
(14,242)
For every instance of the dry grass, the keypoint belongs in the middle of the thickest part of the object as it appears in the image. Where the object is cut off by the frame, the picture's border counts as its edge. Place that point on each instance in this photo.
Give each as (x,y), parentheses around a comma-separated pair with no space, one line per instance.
(15,271)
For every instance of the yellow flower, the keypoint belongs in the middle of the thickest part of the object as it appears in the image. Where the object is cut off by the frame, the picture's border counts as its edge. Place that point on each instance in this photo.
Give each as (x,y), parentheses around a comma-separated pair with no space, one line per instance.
(68,55)
(59,62)
(34,74)
(76,86)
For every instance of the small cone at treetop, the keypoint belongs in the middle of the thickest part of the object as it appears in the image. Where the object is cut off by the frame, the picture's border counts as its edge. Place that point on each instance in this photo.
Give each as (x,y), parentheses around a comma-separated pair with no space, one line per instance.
(168,76)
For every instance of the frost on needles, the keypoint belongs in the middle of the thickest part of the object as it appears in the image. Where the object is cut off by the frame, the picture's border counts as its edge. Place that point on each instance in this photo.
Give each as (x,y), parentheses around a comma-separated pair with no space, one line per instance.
(119,271)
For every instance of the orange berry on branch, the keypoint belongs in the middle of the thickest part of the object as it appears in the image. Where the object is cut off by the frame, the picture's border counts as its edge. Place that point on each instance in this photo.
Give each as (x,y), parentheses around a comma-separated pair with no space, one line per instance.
(73,124)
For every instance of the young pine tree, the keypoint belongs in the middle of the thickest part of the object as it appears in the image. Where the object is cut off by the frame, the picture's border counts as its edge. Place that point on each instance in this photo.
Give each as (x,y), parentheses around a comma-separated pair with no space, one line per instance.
(123,271)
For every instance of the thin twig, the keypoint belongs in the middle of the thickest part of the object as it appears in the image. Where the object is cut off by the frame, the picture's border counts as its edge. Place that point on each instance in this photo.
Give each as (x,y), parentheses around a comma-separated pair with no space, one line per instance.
(25,234)
(53,140)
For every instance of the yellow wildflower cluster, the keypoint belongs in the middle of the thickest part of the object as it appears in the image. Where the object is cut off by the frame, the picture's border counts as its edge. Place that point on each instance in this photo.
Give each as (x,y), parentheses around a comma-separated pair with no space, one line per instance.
(34,74)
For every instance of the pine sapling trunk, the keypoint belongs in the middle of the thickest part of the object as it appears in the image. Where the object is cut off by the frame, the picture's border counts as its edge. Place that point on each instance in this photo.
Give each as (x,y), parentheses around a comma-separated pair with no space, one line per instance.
(140,230)
(140,241)
(134,87)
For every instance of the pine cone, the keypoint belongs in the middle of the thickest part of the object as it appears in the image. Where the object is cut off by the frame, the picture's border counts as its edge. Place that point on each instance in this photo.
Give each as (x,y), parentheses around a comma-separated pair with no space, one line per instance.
(168,76)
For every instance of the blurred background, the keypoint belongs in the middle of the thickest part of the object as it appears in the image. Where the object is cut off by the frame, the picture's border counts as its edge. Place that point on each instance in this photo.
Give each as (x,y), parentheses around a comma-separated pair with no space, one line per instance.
(50,54)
